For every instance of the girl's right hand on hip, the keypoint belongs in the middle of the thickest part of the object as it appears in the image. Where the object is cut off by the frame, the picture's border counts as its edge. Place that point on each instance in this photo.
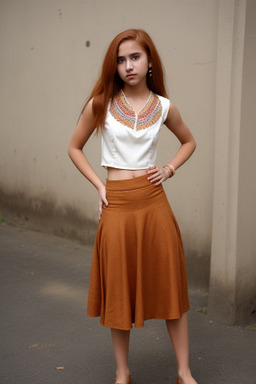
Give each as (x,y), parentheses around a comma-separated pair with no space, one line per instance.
(102,200)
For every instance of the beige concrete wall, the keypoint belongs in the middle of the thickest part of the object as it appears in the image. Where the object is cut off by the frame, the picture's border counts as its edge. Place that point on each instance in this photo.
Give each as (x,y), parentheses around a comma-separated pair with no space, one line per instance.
(246,270)
(233,273)
(51,54)
(47,72)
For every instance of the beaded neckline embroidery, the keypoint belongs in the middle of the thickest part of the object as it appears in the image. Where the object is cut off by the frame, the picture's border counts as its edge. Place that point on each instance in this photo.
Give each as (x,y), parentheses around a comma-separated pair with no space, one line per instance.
(122,111)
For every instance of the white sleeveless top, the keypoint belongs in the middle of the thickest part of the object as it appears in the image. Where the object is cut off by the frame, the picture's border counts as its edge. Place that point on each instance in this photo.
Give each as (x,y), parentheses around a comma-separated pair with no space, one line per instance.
(129,140)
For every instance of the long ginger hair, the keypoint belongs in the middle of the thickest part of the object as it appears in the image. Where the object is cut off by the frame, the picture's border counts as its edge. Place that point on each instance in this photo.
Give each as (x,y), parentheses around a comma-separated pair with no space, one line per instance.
(110,84)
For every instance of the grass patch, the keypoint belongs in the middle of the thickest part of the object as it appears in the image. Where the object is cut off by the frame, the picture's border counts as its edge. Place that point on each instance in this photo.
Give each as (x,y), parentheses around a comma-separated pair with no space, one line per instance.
(201,310)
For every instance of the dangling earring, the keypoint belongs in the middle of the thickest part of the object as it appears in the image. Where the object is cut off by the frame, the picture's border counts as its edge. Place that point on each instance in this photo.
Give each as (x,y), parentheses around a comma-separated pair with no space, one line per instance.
(150,72)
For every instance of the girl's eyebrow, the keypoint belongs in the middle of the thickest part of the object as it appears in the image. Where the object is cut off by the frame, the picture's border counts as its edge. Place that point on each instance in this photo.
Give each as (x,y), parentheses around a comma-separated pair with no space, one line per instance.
(131,54)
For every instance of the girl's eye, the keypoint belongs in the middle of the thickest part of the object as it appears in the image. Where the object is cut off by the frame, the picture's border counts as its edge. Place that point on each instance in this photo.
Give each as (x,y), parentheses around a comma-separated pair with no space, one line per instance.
(135,57)
(120,60)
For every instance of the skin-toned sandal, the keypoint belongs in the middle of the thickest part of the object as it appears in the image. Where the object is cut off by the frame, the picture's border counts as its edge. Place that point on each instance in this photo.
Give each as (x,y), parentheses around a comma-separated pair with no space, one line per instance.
(130,381)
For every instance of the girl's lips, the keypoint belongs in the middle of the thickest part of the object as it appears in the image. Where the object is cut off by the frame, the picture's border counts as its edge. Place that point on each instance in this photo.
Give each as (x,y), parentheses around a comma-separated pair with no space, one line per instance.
(130,76)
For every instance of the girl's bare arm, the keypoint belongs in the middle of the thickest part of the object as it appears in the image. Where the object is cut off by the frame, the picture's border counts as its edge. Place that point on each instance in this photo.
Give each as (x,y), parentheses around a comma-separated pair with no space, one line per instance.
(175,123)
(80,137)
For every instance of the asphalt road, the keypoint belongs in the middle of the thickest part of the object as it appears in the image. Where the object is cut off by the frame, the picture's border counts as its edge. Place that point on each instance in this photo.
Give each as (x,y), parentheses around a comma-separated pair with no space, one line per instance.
(46,337)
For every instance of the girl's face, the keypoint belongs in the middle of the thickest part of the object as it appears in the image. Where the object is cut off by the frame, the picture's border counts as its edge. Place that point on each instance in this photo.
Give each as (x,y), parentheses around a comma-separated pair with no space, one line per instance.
(132,63)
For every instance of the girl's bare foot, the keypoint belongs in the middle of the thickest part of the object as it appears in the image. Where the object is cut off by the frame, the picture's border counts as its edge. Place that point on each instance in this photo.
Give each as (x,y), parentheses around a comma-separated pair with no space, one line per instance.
(123,377)
(186,378)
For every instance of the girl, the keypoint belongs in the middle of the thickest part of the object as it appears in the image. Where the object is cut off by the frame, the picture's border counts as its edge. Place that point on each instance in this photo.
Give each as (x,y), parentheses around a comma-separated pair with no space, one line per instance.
(138,269)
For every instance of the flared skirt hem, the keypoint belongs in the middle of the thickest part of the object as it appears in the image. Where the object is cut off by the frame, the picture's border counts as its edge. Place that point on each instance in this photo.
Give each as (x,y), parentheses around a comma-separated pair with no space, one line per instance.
(172,316)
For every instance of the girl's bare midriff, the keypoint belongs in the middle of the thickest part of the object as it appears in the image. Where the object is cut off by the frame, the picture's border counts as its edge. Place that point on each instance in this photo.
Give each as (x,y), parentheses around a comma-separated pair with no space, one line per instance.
(121,174)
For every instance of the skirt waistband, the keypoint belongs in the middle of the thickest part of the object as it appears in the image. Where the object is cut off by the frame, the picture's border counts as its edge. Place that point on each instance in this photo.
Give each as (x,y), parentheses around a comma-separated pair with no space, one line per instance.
(128,184)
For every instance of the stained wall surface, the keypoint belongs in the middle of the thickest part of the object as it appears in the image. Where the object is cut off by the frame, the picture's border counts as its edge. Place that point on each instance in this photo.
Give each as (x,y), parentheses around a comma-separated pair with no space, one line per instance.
(51,57)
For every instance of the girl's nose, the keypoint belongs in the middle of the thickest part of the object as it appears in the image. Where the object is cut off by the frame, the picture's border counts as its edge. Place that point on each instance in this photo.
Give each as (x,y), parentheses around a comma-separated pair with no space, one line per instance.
(129,65)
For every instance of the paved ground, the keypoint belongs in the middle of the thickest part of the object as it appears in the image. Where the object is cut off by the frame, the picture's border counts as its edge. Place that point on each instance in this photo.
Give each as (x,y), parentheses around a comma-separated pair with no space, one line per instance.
(47,338)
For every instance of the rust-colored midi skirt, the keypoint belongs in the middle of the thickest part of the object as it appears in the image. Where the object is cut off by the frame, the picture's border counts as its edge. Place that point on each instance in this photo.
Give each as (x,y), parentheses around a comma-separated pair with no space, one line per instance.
(138,267)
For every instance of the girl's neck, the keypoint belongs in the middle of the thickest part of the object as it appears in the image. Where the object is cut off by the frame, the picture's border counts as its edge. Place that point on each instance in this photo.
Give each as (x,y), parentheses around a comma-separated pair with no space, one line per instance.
(139,92)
